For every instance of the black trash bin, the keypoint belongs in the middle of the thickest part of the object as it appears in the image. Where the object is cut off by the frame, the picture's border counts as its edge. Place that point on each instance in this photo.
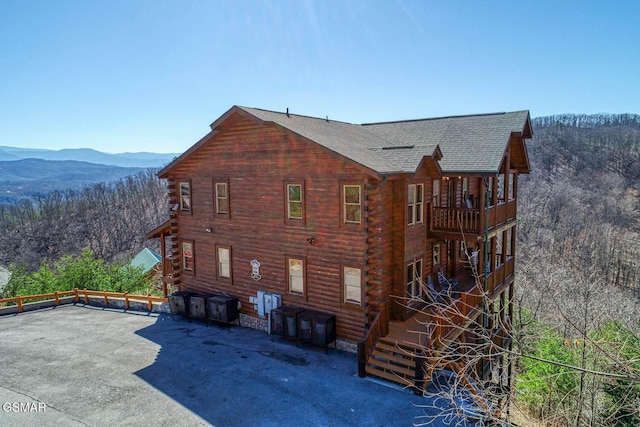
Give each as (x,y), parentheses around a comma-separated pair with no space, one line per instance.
(179,303)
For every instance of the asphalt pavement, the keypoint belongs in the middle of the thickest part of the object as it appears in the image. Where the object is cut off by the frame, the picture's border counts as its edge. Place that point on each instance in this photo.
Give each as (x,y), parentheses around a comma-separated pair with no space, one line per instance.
(80,365)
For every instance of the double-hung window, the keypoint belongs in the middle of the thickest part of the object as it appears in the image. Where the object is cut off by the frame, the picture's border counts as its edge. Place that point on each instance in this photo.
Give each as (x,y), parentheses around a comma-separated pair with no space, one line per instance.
(415,197)
(296,273)
(222,198)
(414,279)
(224,262)
(185,196)
(352,204)
(352,283)
(436,192)
(188,263)
(294,201)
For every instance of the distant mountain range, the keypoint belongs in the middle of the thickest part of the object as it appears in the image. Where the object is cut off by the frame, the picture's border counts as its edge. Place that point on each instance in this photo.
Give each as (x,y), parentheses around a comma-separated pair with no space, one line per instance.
(27,173)
(139,160)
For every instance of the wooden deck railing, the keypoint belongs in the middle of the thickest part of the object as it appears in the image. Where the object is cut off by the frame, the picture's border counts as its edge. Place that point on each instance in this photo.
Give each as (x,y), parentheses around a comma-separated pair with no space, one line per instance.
(452,219)
(378,328)
(84,294)
(448,219)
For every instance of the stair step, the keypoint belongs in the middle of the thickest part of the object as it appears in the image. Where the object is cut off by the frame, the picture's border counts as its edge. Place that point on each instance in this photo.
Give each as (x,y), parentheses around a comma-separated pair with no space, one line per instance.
(394,358)
(391,348)
(410,347)
(389,376)
(389,367)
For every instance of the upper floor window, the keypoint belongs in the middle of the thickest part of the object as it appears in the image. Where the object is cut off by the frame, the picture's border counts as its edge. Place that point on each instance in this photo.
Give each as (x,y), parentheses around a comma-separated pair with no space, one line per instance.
(294,201)
(489,193)
(222,198)
(414,279)
(415,195)
(436,193)
(295,272)
(185,197)
(188,263)
(352,283)
(352,204)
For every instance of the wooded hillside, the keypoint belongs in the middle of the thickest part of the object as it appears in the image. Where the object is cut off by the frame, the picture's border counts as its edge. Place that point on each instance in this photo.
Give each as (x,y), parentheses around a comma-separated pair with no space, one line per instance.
(578,272)
(109,219)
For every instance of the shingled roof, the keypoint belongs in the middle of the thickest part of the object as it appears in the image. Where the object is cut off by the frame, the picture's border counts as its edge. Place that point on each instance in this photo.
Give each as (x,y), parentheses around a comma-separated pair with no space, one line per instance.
(469,144)
(460,144)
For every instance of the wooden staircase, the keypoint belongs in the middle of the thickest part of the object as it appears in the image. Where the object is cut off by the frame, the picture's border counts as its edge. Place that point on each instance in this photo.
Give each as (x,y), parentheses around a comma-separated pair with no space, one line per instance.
(393,361)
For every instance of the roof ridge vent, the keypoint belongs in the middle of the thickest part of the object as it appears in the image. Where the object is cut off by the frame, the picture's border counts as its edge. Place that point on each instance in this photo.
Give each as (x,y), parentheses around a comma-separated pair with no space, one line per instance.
(399,147)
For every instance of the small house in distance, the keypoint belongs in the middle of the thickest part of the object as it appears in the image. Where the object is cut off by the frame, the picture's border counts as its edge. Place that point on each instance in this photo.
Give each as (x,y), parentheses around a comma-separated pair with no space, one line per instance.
(362,221)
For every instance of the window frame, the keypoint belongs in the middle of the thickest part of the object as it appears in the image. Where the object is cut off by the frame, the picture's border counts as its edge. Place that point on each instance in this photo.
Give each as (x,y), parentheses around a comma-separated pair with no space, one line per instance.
(415,204)
(287,202)
(435,193)
(412,268)
(345,301)
(344,203)
(183,257)
(435,250)
(188,207)
(218,263)
(217,198)
(303,260)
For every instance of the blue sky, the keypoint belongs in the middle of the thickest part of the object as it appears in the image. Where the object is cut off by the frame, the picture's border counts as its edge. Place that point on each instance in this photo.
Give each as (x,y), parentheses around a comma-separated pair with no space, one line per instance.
(138,75)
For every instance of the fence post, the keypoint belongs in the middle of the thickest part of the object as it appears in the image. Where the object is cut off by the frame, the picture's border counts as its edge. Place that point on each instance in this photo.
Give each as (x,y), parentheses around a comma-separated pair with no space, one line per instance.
(126,300)
(419,376)
(77,295)
(19,301)
(106,301)
(149,303)
(55,294)
(86,297)
(362,360)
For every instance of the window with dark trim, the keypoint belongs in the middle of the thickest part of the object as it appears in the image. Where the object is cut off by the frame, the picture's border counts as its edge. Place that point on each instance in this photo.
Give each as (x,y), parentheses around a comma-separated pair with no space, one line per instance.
(414,278)
(188,259)
(185,196)
(222,197)
(352,285)
(352,204)
(296,275)
(223,256)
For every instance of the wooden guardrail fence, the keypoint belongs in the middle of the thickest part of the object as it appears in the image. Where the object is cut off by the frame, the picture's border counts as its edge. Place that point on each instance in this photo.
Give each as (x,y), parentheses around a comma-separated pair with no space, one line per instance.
(85,294)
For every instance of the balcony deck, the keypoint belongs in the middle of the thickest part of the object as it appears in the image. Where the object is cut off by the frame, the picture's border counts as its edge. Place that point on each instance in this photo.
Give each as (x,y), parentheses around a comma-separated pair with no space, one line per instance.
(470,221)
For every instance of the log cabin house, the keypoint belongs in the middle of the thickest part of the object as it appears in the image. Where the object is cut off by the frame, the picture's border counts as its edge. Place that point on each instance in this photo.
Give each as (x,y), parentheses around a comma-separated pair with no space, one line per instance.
(352,220)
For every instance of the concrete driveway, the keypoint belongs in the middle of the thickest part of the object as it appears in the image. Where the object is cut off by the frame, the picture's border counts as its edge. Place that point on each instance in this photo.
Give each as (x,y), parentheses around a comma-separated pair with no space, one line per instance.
(88,366)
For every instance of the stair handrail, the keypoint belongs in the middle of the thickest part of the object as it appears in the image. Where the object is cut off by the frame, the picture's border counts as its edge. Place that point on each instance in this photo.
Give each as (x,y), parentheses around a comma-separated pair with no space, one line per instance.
(379,327)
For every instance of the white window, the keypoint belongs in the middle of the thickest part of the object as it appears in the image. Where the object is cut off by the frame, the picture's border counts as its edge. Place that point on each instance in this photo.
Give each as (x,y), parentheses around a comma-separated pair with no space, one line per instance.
(500,188)
(352,204)
(296,276)
(415,197)
(185,196)
(294,201)
(352,285)
(436,192)
(222,198)
(224,263)
(414,279)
